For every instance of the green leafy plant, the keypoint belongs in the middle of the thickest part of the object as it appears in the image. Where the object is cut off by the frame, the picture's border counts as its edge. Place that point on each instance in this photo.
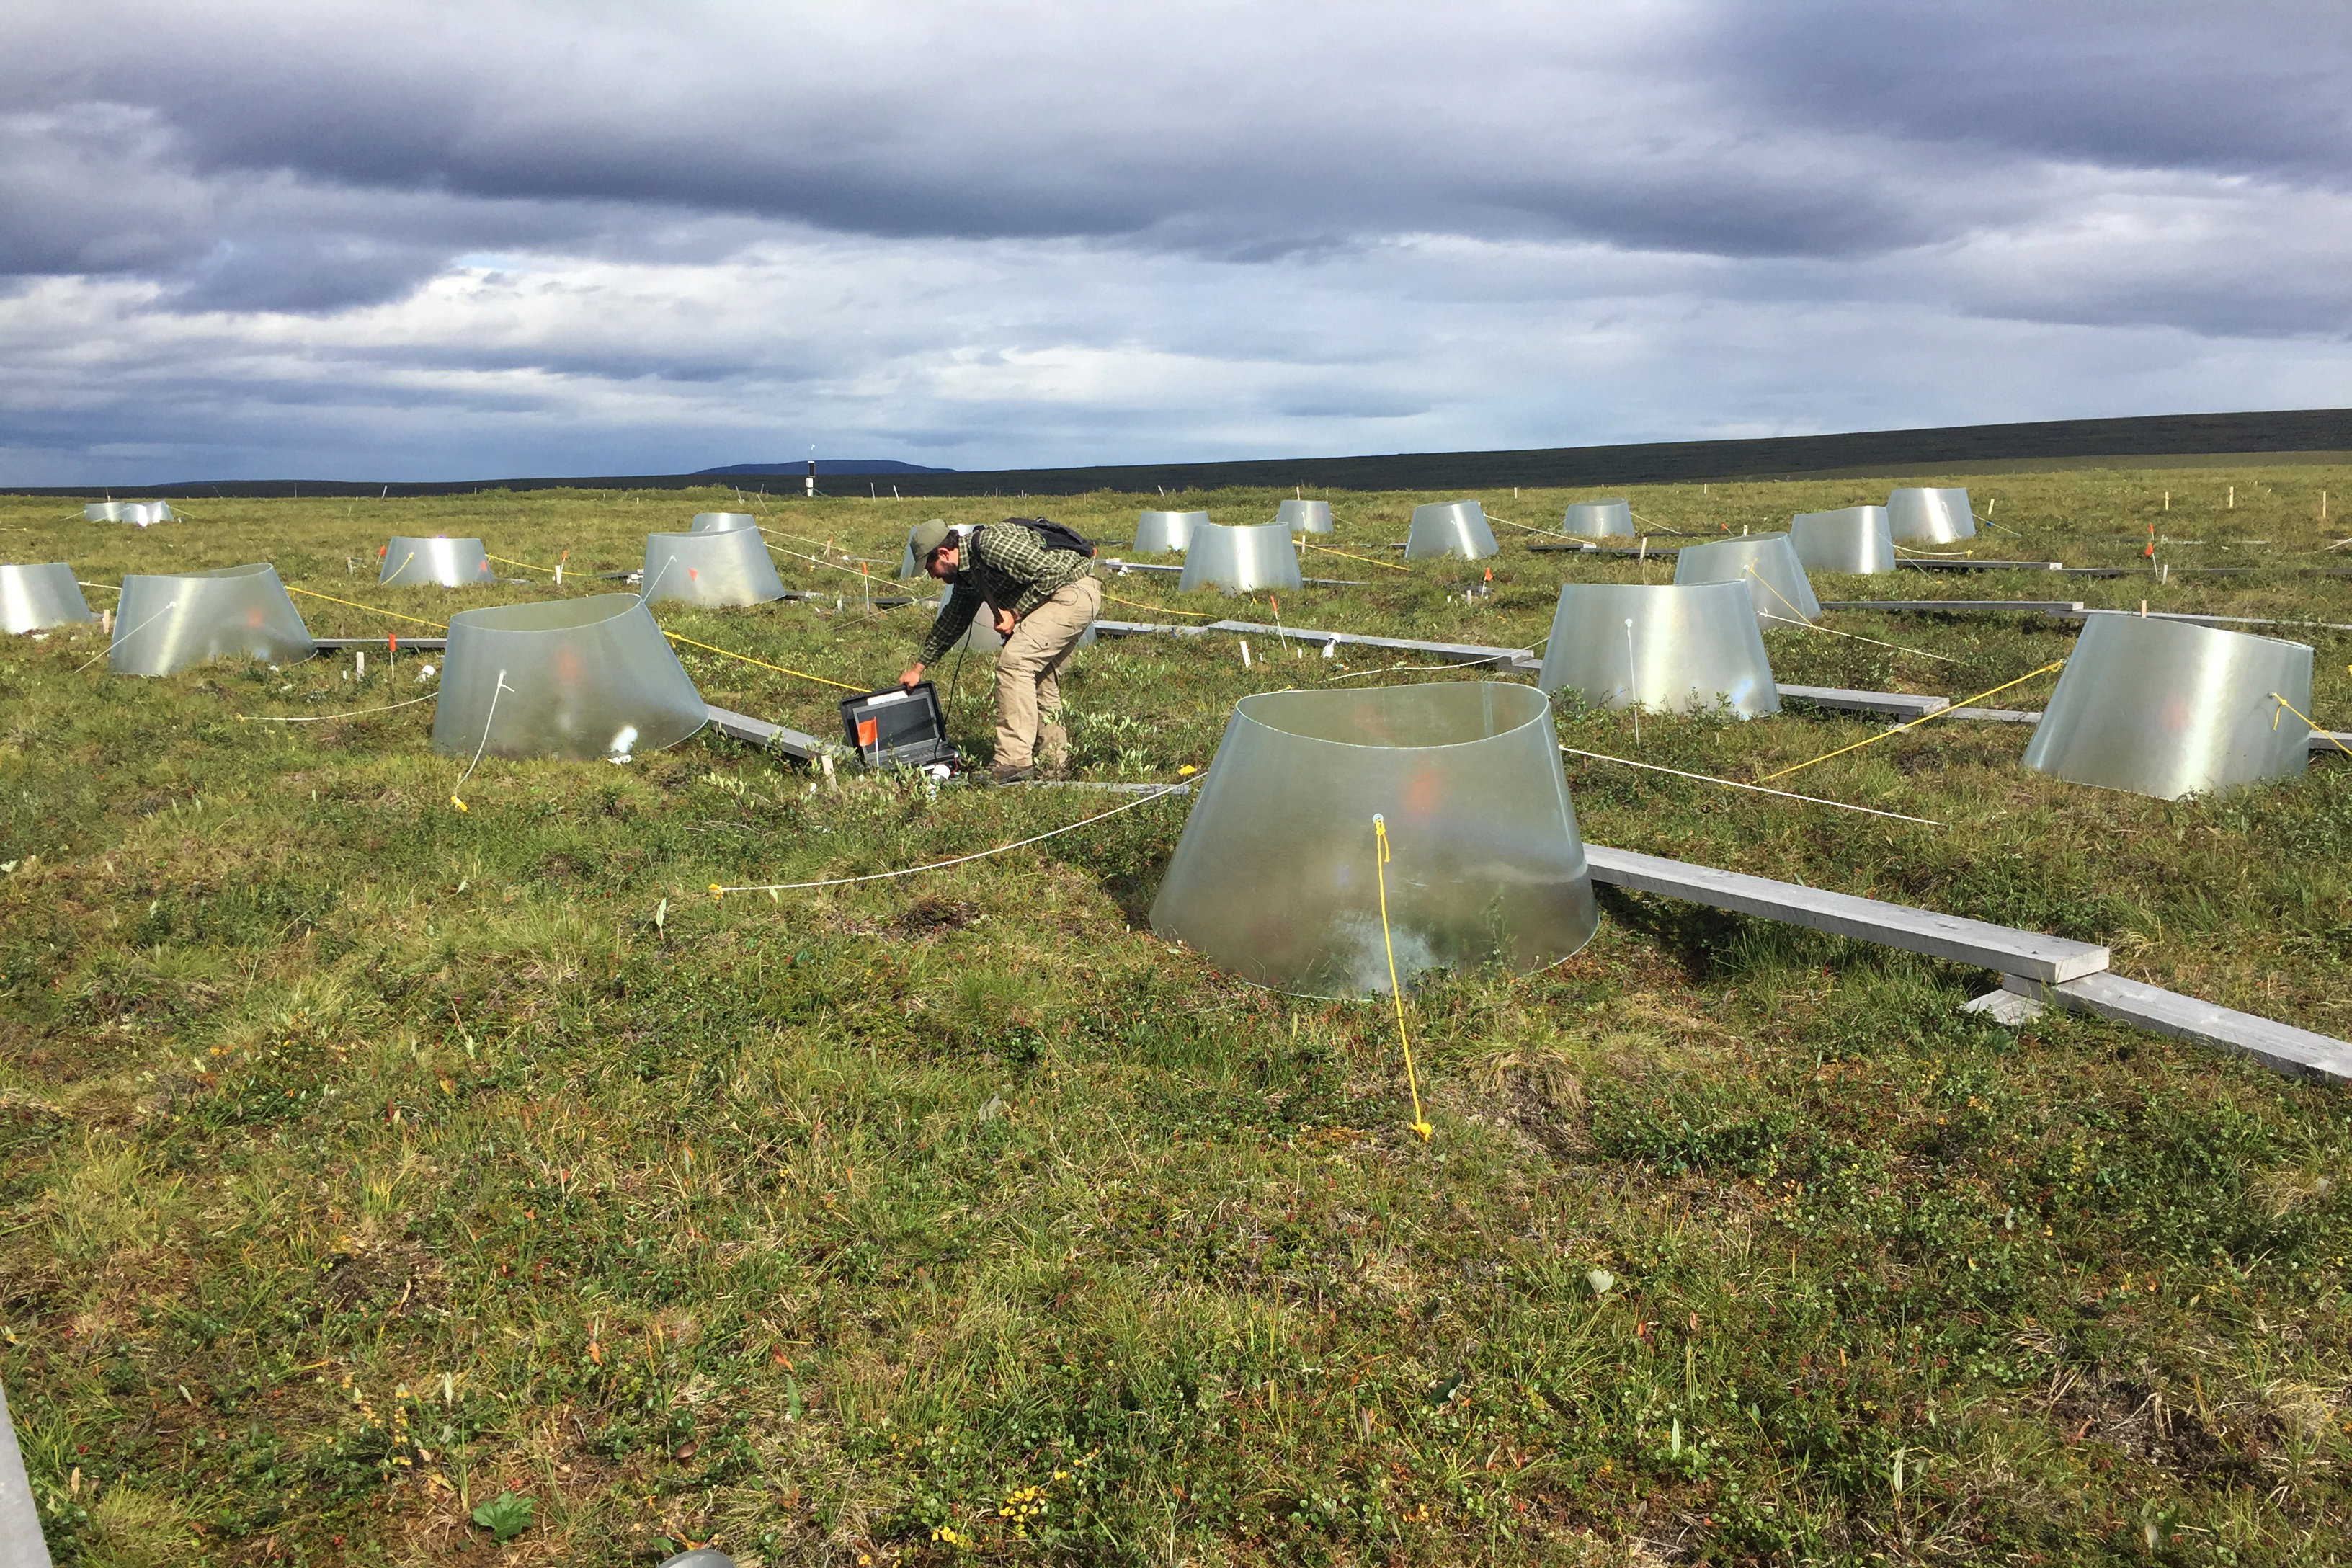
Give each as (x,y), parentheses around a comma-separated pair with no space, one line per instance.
(504,1516)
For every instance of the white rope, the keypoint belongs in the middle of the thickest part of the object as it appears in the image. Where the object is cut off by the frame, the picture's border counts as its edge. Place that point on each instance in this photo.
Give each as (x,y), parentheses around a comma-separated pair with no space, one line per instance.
(1759,789)
(772,887)
(644,595)
(126,636)
(835,565)
(354,713)
(821,544)
(486,720)
(1405,670)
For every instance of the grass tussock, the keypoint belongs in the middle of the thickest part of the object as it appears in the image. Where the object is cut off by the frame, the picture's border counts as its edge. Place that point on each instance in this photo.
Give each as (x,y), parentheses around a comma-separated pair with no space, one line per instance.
(369,1168)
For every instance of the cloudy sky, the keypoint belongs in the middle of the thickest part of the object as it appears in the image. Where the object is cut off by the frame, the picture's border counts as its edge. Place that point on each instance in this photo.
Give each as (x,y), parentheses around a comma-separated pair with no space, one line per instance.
(340,239)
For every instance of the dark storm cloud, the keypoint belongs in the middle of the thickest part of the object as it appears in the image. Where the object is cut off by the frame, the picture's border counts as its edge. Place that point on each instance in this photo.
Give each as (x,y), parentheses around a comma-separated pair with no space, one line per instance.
(1826,131)
(1062,230)
(2244,88)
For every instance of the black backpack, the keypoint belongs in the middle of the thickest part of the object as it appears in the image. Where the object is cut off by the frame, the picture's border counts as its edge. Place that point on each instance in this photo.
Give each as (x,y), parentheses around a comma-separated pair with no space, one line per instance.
(1055,535)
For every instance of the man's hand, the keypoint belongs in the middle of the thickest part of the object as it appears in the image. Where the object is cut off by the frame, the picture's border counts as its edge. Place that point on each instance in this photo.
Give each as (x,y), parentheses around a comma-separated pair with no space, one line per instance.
(912,674)
(1005,621)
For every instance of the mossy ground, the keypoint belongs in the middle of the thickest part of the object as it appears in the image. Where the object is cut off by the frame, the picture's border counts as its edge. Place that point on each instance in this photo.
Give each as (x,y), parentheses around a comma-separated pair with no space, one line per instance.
(363,1160)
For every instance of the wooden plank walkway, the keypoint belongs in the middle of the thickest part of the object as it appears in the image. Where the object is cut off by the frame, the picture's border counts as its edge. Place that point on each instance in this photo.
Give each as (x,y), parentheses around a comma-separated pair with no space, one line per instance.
(1998,948)
(2044,969)
(759,733)
(2064,608)
(1894,704)
(1460,653)
(423,645)
(1919,563)
(2280,1047)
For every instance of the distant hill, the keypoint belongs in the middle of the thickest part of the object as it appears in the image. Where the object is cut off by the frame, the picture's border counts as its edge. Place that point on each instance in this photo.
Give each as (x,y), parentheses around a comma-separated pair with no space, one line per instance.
(2163,440)
(828,466)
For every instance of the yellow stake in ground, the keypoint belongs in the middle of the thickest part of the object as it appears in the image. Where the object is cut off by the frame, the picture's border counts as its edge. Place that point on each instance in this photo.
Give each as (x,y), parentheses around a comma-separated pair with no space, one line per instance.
(1379,864)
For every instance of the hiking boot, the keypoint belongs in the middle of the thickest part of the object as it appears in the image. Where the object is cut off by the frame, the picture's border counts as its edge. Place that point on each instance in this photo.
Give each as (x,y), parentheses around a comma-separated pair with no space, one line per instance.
(1006,774)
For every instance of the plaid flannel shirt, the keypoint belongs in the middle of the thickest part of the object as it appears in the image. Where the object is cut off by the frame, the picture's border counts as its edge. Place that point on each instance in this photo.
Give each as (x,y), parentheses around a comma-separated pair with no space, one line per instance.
(1008,566)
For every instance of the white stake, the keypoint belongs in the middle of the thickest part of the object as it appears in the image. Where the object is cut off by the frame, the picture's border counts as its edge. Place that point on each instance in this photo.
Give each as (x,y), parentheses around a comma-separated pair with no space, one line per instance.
(1246,657)
(359,663)
(1633,680)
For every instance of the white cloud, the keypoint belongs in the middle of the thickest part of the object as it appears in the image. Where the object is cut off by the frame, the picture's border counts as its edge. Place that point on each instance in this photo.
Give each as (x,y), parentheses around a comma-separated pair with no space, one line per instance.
(402,241)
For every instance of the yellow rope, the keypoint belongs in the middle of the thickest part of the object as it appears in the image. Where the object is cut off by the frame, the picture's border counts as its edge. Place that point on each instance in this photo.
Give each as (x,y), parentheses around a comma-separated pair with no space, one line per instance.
(820,543)
(830,565)
(762,663)
(1383,565)
(372,609)
(1938,713)
(772,888)
(1379,865)
(1759,789)
(1816,626)
(504,562)
(2309,724)
(1139,604)
(326,718)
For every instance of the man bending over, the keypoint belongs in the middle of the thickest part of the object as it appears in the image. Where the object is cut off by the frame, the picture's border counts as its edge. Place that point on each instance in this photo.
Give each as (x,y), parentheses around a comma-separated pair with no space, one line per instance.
(1042,600)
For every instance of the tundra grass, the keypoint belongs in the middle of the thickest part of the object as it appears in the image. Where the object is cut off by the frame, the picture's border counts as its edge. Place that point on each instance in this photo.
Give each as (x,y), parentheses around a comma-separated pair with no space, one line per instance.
(372,1170)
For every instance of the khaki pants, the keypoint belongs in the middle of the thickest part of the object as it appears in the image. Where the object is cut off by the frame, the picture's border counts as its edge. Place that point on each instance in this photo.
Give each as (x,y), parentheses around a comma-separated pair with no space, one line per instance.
(1028,670)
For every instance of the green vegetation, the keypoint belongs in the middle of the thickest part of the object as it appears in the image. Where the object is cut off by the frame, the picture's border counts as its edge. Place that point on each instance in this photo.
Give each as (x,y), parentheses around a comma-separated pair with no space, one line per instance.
(382,1182)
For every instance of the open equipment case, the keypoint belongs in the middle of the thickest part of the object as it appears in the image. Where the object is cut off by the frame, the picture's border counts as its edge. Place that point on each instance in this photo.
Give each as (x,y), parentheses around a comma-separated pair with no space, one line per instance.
(900,726)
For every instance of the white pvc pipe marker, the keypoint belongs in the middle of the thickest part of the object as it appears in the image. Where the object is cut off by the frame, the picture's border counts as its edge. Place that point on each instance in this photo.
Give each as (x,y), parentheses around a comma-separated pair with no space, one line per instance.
(20,1523)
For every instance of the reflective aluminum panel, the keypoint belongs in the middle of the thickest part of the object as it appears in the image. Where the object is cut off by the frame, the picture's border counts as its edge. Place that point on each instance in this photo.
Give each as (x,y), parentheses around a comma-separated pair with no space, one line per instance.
(1304,516)
(1688,649)
(1166,533)
(450,562)
(1597,519)
(583,678)
(138,513)
(2168,708)
(722,521)
(1854,538)
(1276,878)
(1767,564)
(711,569)
(163,625)
(1930,517)
(34,599)
(1449,528)
(1240,560)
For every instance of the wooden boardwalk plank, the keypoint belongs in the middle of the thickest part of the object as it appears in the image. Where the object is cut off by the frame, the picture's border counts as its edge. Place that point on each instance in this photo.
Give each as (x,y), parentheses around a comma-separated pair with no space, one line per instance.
(1895,704)
(1998,948)
(1919,565)
(759,733)
(2278,1046)
(2063,607)
(422,645)
(1461,653)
